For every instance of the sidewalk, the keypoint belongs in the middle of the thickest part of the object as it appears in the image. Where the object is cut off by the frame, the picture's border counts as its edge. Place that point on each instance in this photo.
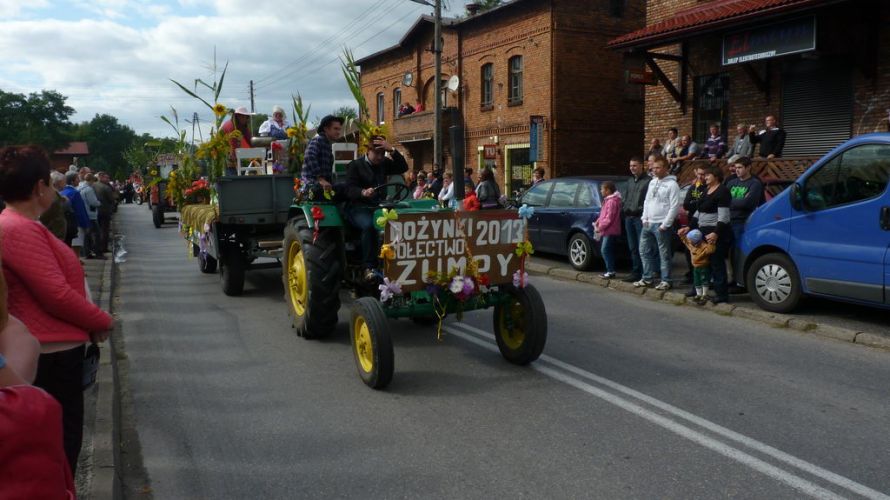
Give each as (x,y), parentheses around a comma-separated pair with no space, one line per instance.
(96,466)
(822,317)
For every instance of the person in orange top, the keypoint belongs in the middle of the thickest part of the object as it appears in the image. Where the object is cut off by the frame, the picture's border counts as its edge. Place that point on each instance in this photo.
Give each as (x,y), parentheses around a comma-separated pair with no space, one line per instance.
(239,121)
(471,202)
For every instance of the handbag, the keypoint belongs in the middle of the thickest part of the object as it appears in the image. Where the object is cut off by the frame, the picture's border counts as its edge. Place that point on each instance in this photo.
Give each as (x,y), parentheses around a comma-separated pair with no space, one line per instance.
(90,366)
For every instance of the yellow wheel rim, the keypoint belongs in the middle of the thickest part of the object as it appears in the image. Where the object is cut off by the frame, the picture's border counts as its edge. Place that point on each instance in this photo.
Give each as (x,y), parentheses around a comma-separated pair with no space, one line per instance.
(296,279)
(511,325)
(364,349)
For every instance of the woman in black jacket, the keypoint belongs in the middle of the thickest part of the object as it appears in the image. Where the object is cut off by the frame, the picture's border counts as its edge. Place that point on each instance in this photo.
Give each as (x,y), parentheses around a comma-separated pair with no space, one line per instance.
(712,219)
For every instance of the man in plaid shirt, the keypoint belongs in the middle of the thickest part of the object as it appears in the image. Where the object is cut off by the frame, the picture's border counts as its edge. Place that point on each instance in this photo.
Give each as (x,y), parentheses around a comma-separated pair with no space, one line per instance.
(318,162)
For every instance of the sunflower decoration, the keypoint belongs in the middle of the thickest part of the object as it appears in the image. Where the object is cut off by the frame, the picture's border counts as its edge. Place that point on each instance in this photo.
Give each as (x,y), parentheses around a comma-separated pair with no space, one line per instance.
(220,109)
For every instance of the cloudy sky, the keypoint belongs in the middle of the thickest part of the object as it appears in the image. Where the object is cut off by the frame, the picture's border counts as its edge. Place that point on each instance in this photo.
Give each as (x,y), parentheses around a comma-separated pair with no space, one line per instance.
(118,56)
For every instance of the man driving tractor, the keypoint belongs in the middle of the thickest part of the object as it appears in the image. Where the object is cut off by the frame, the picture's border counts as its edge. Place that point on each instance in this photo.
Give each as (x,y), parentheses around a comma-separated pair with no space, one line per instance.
(363,176)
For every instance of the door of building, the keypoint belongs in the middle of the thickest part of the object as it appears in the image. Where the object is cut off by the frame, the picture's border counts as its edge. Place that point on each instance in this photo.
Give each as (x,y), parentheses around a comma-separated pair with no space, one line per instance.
(817,106)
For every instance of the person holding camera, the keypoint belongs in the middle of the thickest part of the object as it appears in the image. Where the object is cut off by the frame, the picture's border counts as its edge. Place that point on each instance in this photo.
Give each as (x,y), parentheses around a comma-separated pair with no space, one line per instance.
(363,176)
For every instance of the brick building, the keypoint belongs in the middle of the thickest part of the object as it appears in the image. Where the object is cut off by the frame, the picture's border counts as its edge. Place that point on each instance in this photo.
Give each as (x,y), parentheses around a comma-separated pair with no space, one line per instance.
(822,67)
(545,60)
(69,155)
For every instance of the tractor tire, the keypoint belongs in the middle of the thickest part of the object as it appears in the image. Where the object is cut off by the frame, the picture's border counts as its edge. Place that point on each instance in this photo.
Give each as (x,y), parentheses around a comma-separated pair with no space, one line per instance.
(520,325)
(157,216)
(231,272)
(371,343)
(312,276)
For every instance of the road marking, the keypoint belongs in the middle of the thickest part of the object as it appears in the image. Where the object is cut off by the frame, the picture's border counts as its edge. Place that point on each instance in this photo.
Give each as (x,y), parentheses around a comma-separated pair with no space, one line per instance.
(572,375)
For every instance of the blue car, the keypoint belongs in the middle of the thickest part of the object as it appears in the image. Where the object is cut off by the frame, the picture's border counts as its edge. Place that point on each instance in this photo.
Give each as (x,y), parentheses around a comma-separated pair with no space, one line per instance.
(565,209)
(827,235)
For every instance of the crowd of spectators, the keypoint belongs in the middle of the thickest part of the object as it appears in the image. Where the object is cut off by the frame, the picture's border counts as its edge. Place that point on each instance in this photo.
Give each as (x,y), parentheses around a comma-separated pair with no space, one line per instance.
(484,194)
(46,320)
(716,208)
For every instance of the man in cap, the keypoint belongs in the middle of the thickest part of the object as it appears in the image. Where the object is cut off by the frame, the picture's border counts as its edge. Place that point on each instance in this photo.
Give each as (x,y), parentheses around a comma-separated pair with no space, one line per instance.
(363,175)
(318,162)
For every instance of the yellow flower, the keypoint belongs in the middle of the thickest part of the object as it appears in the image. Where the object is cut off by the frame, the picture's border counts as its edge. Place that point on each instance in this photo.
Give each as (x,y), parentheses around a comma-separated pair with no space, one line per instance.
(387,252)
(219,109)
(291,132)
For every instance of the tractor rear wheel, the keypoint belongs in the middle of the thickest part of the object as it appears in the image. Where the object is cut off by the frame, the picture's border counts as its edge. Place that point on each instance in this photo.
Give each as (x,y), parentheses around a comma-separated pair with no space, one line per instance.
(312,274)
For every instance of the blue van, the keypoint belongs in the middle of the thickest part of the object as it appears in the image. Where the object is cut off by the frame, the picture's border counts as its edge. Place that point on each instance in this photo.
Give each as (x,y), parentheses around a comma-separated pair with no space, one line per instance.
(827,235)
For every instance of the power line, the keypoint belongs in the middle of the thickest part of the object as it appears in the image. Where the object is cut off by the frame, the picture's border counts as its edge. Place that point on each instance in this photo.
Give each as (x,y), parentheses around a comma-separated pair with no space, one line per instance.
(321,44)
(307,67)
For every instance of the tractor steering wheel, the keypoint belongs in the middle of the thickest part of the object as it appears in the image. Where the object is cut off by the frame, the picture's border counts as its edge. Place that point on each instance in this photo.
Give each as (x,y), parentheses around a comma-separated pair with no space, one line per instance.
(401,193)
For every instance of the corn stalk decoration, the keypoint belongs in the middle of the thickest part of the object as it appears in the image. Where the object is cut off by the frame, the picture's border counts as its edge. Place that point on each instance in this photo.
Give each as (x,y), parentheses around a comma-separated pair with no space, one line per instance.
(218,149)
(297,136)
(364,124)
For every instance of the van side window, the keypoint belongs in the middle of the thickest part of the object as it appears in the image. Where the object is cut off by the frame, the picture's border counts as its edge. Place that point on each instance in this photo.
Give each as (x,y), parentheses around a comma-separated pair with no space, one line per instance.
(857,174)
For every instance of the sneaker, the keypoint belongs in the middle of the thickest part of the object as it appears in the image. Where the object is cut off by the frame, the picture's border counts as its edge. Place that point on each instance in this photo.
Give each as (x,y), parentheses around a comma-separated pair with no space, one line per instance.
(663,286)
(691,293)
(719,300)
(701,299)
(642,283)
(631,279)
(608,276)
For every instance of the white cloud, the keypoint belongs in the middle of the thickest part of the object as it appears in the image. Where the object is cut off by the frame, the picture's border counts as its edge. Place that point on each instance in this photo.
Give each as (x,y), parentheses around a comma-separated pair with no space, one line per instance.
(120,59)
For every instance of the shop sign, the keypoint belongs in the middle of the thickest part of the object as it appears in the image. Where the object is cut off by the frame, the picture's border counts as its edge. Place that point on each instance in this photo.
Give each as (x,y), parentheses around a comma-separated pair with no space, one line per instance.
(490,152)
(442,242)
(769,41)
(536,137)
(641,77)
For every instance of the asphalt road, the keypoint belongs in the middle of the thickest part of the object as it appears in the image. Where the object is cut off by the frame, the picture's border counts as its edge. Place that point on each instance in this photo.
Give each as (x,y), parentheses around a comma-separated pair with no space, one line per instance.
(632,399)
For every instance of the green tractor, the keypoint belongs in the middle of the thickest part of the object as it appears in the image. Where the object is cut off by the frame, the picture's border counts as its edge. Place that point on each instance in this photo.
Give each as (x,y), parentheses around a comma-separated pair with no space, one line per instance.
(435,261)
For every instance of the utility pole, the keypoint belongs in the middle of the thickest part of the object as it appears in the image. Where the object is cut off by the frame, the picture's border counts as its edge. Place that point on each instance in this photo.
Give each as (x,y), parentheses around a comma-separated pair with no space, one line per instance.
(437,48)
(252,105)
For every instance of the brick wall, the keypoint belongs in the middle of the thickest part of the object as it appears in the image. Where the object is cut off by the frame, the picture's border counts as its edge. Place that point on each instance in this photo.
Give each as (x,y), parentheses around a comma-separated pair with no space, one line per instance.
(597,122)
(747,103)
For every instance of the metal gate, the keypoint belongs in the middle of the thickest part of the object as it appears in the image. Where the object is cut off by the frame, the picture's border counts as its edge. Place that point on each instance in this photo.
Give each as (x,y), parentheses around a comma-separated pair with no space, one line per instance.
(817,107)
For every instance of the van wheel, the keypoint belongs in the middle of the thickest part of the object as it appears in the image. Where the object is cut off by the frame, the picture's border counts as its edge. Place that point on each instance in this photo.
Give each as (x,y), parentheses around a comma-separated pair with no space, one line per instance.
(774,283)
(581,252)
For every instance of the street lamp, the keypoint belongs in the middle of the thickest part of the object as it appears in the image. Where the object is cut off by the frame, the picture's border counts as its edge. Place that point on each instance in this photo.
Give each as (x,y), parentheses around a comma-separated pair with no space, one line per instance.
(437,50)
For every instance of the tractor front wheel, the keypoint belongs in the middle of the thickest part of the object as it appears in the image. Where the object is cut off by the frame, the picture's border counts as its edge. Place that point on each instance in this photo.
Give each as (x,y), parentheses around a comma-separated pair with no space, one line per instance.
(371,343)
(520,325)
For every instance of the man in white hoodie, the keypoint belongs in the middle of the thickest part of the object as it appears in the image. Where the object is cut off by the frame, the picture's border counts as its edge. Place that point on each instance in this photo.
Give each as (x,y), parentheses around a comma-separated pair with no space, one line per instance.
(659,211)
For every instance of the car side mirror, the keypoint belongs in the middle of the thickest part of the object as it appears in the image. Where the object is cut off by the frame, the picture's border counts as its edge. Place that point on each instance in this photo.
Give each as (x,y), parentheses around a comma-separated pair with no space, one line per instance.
(796,197)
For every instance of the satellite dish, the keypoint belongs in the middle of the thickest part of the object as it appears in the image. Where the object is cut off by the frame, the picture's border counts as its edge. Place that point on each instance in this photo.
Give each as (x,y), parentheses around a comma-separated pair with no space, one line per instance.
(408,79)
(453,83)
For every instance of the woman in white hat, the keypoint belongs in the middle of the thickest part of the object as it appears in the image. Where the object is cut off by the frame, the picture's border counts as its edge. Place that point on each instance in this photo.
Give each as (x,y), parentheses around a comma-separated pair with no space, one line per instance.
(275,127)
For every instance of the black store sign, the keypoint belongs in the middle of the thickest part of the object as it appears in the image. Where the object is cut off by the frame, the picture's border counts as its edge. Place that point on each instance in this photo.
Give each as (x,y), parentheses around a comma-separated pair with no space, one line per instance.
(770,41)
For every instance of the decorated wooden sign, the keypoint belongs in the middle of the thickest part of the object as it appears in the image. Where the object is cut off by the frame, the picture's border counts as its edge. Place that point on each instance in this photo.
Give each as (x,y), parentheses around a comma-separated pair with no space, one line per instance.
(440,243)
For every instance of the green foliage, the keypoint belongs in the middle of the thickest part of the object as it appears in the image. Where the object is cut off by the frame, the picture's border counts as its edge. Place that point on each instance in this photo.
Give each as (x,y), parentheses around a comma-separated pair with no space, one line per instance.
(346,112)
(257,120)
(488,4)
(39,118)
(108,141)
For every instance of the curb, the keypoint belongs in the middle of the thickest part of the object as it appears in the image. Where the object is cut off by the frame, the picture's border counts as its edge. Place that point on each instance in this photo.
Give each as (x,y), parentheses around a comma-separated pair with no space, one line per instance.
(775,320)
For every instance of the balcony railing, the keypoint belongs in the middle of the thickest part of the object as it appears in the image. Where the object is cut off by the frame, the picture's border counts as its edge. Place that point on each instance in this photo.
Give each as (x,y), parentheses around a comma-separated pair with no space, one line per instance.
(419,126)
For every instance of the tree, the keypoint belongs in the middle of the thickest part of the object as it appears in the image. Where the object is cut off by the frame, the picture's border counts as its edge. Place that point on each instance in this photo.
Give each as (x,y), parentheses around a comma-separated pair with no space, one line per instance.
(257,120)
(108,140)
(346,112)
(487,4)
(36,119)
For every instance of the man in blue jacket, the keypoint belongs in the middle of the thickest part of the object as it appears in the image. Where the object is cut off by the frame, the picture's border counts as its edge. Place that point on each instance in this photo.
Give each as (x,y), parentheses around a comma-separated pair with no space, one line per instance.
(80,209)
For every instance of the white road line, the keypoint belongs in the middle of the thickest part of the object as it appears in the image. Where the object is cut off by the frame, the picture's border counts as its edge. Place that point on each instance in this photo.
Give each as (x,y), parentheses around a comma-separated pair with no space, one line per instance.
(471,334)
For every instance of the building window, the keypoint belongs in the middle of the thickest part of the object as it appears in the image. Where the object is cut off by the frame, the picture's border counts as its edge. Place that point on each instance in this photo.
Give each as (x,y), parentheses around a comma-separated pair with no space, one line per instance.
(616,8)
(380,106)
(487,84)
(711,106)
(515,96)
(396,102)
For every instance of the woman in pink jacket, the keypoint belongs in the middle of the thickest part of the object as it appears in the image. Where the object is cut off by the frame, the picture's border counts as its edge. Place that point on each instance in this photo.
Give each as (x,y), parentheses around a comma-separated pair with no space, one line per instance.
(46,287)
(608,225)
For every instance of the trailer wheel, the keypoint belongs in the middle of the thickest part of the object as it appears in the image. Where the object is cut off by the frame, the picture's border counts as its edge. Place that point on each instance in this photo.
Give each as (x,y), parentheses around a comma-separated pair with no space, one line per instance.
(371,343)
(311,277)
(231,272)
(157,216)
(520,325)
(206,263)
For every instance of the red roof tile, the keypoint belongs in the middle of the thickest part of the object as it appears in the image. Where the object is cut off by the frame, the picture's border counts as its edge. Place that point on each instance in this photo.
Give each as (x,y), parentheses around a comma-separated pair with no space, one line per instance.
(74,149)
(716,14)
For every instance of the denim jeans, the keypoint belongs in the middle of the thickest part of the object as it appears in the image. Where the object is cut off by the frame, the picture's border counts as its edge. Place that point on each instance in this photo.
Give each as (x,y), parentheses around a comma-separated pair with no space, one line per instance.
(655,244)
(607,249)
(363,218)
(633,226)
